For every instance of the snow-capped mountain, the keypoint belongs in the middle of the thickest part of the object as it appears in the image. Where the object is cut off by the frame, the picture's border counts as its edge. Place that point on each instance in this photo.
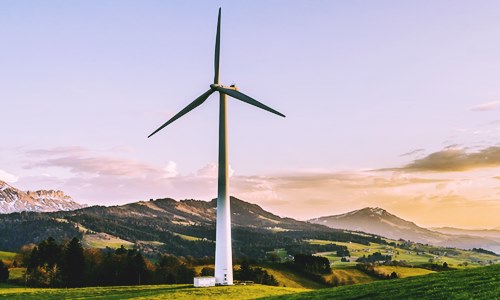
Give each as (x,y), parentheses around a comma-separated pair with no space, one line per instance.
(15,200)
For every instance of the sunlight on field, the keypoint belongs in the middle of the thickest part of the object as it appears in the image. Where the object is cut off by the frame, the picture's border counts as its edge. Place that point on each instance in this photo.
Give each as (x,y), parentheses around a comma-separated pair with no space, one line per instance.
(16,273)
(187,237)
(291,279)
(475,283)
(348,276)
(7,257)
(180,292)
(403,271)
(455,258)
(102,240)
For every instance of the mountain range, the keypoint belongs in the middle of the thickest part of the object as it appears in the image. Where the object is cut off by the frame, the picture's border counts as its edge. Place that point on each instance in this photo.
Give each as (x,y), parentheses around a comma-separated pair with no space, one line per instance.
(49,212)
(15,200)
(378,221)
(184,227)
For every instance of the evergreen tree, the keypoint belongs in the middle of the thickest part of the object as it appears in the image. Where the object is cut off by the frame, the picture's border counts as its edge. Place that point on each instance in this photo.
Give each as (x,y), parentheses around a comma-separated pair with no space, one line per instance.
(74,263)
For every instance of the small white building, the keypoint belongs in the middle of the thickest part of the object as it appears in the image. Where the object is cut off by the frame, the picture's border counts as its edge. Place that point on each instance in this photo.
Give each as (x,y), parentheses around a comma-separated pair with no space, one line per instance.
(204,281)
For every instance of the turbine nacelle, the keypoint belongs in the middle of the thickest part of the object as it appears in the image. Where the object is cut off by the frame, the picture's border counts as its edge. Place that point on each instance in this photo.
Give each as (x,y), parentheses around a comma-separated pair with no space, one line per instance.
(218,87)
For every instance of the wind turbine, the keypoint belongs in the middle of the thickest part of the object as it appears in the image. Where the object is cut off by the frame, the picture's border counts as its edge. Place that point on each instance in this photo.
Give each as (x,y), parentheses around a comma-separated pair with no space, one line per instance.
(223,250)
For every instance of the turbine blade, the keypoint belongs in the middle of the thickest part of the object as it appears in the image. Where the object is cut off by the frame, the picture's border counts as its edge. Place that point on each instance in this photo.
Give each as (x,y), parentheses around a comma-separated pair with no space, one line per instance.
(240,96)
(197,102)
(217,51)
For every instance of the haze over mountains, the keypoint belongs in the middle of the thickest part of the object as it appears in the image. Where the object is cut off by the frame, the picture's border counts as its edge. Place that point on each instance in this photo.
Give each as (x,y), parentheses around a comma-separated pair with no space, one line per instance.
(15,200)
(379,221)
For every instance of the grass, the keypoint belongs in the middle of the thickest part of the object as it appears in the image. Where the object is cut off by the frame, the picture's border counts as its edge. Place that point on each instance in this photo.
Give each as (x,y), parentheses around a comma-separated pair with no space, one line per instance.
(283,275)
(101,240)
(475,283)
(473,259)
(288,278)
(7,257)
(16,273)
(180,292)
(187,237)
(403,272)
(349,276)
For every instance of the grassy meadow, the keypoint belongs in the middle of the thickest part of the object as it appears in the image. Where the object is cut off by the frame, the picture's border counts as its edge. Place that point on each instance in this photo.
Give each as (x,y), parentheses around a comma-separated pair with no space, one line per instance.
(474,283)
(178,292)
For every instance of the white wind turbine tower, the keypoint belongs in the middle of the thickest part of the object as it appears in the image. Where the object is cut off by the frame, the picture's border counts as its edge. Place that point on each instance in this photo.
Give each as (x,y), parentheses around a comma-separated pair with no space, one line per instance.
(223,250)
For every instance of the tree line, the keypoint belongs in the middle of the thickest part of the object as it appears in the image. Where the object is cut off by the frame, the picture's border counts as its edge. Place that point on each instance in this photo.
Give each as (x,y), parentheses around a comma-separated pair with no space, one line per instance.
(53,264)
(68,264)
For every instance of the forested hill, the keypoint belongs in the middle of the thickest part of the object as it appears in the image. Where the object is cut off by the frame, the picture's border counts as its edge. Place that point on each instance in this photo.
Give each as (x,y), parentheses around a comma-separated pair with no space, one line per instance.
(179,227)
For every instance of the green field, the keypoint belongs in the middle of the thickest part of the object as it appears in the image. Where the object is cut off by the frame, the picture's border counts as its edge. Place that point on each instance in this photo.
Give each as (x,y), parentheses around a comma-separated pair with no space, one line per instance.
(403,272)
(180,292)
(288,278)
(283,275)
(412,257)
(101,240)
(475,283)
(7,257)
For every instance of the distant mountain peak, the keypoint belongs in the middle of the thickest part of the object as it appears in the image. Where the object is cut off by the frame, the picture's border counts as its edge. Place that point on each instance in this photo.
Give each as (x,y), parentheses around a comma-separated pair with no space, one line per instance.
(379,221)
(15,200)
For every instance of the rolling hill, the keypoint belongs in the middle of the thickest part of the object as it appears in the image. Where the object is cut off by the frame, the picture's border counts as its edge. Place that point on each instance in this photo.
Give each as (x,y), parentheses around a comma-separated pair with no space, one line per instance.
(380,222)
(184,227)
(477,283)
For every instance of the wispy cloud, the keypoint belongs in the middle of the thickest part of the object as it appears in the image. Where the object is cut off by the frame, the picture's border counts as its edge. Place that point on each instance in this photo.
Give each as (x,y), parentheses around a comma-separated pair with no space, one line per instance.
(487,106)
(456,159)
(413,152)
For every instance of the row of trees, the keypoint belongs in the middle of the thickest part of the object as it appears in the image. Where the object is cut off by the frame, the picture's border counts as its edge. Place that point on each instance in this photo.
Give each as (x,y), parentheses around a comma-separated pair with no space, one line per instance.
(52,264)
(375,257)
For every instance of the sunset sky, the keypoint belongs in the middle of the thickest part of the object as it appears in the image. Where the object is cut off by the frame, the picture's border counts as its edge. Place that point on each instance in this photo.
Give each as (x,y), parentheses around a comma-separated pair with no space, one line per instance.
(394,104)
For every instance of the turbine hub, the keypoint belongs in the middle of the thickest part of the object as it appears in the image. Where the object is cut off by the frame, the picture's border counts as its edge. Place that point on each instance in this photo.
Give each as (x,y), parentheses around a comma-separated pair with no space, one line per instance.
(215,86)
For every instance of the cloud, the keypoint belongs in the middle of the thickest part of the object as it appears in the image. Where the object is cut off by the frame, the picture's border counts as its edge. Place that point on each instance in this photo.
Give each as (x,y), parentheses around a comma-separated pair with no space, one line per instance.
(8,177)
(487,106)
(413,152)
(456,160)
(211,170)
(170,170)
(101,166)
(56,151)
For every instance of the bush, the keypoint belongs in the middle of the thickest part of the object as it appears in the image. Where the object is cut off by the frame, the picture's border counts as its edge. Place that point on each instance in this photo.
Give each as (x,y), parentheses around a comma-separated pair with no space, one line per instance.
(4,272)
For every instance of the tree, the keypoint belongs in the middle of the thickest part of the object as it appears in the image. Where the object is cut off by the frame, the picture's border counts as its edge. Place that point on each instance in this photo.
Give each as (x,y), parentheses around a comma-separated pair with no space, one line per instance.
(73,266)
(4,272)
(245,270)
(445,266)
(394,275)
(207,271)
(140,268)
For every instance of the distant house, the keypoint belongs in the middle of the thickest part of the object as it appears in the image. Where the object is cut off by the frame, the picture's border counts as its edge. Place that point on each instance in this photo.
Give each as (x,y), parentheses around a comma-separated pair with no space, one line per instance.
(204,281)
